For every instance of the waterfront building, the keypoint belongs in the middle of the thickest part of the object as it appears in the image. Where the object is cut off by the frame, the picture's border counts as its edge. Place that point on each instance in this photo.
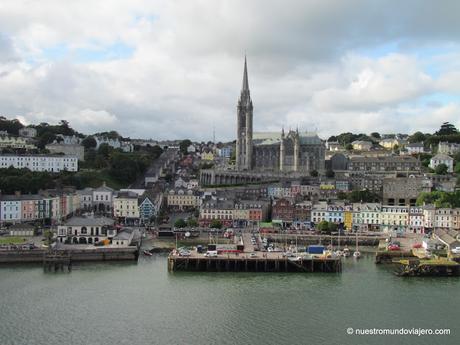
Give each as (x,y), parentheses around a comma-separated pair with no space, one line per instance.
(86,230)
(10,209)
(102,199)
(416,220)
(86,199)
(149,206)
(21,230)
(249,212)
(441,158)
(182,198)
(443,218)
(221,210)
(394,218)
(50,163)
(366,216)
(125,206)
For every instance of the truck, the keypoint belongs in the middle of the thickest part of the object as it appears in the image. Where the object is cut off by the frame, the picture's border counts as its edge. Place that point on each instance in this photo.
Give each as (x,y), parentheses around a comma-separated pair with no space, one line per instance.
(315,249)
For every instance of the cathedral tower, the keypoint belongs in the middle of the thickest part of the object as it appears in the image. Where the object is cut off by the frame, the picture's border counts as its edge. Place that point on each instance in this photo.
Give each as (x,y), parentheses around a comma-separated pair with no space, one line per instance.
(244,126)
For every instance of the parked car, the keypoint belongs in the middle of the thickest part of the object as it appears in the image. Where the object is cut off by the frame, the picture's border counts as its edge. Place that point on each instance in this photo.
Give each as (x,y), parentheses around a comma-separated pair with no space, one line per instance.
(393,247)
(211,254)
(253,255)
(455,250)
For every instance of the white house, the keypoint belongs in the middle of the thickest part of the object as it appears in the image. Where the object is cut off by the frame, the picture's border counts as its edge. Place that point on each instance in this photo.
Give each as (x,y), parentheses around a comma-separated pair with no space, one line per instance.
(447,148)
(415,148)
(28,132)
(10,209)
(441,158)
(51,163)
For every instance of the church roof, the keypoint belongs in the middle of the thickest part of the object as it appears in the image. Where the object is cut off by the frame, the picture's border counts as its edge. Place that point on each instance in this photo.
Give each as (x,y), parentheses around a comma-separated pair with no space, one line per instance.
(271,138)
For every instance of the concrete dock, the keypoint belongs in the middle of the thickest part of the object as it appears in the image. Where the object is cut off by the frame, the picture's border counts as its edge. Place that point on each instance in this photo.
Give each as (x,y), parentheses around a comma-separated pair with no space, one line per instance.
(251,260)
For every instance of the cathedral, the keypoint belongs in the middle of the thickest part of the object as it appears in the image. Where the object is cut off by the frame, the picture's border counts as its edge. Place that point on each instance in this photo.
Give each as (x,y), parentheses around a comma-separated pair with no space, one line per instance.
(293,151)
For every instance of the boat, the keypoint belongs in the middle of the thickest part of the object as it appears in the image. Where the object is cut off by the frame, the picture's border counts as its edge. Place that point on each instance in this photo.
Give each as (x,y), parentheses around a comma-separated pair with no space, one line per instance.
(357,254)
(147,253)
(346,252)
(339,253)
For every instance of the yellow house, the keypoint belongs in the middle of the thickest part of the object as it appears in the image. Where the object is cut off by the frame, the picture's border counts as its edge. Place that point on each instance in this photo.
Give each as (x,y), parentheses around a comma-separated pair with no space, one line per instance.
(390,143)
(182,198)
(125,205)
(348,219)
(361,145)
(207,156)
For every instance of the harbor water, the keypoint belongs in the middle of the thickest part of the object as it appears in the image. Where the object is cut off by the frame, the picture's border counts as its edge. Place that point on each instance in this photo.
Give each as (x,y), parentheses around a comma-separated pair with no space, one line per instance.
(129,303)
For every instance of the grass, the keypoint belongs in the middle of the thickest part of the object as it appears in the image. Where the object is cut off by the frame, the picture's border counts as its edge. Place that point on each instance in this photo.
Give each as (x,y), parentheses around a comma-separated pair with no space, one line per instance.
(14,240)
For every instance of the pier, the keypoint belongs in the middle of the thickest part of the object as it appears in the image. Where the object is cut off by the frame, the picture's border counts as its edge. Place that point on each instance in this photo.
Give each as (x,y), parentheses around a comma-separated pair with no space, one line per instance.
(388,257)
(64,258)
(243,263)
(432,267)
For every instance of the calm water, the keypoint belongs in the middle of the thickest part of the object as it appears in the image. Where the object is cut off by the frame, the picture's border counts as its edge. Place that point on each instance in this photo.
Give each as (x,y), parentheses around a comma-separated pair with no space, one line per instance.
(115,304)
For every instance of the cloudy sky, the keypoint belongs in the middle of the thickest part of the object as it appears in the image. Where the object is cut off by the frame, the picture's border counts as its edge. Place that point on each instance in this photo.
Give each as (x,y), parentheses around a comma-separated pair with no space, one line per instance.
(173,69)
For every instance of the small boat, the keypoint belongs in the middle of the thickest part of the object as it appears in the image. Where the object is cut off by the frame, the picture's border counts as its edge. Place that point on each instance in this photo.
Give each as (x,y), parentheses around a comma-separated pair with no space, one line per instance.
(346,252)
(357,254)
(339,253)
(147,253)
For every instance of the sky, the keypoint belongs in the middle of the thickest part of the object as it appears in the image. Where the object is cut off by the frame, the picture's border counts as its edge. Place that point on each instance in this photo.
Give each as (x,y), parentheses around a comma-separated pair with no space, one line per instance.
(173,69)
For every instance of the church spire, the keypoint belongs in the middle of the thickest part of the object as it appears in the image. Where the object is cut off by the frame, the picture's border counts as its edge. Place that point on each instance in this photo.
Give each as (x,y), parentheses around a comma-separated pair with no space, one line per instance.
(245,86)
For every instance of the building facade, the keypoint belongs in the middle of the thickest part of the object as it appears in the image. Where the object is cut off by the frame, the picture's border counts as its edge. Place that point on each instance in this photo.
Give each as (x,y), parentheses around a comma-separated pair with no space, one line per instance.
(50,163)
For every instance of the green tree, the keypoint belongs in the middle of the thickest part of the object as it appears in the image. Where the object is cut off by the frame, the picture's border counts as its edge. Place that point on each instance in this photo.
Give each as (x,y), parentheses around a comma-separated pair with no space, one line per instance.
(314,173)
(180,223)
(183,145)
(192,222)
(216,224)
(89,143)
(48,237)
(331,227)
(375,135)
(349,147)
(417,137)
(447,129)
(441,169)
(104,150)
(327,227)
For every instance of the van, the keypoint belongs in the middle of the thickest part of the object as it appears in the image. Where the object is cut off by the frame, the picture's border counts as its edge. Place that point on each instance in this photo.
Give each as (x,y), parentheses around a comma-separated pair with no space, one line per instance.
(211,254)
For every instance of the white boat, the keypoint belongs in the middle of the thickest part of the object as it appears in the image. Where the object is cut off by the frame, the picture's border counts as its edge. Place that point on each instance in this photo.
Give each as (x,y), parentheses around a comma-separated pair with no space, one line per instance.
(357,254)
(339,253)
(346,252)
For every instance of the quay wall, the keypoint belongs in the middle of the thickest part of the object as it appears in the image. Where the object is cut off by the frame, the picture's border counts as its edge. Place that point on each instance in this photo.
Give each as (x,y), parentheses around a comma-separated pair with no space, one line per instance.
(78,255)
(233,264)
